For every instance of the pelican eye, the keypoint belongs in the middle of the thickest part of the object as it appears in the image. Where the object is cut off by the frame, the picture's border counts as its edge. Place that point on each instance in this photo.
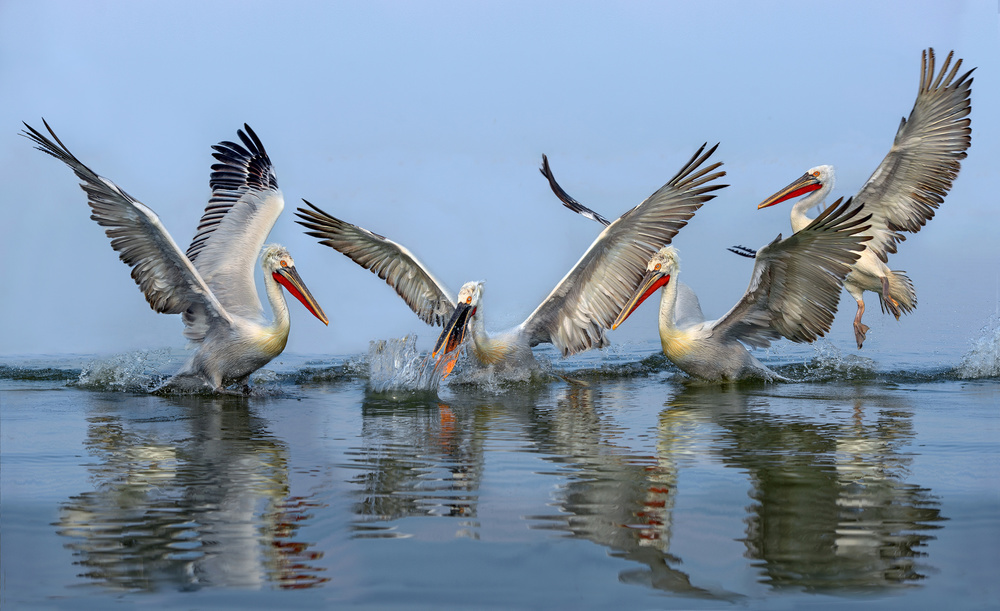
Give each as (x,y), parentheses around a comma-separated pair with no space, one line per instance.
(284,263)
(656,267)
(468,299)
(816,173)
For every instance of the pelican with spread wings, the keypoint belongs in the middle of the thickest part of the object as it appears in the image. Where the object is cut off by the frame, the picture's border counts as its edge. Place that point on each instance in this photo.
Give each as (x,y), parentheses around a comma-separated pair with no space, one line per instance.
(905,189)
(793,293)
(575,315)
(211,285)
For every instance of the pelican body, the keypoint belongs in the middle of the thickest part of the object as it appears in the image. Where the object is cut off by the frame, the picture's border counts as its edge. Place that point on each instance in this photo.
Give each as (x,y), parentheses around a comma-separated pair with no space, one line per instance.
(575,315)
(793,293)
(904,191)
(211,285)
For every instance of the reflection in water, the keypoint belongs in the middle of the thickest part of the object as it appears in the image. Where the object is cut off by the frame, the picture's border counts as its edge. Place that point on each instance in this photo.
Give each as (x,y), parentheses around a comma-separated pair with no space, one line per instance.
(419,457)
(831,508)
(196,497)
(616,498)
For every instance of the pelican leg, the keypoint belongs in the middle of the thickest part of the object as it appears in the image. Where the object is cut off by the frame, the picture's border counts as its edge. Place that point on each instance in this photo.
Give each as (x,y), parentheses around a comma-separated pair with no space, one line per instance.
(887,299)
(860,330)
(244,384)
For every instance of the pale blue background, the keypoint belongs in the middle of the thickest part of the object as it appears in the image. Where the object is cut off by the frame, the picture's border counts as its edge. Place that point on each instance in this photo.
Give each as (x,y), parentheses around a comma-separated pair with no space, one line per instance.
(426,122)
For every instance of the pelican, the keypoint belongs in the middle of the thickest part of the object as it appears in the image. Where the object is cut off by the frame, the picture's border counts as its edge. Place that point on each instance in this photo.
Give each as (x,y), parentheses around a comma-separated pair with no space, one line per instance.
(905,189)
(793,293)
(212,284)
(575,314)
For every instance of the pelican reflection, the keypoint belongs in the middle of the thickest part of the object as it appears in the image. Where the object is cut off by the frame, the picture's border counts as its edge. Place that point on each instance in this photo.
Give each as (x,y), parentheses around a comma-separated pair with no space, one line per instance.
(615,496)
(831,508)
(419,457)
(192,492)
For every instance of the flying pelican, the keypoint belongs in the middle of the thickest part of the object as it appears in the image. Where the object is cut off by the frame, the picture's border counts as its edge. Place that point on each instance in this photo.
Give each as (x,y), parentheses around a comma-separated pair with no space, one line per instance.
(576,313)
(212,284)
(793,293)
(905,189)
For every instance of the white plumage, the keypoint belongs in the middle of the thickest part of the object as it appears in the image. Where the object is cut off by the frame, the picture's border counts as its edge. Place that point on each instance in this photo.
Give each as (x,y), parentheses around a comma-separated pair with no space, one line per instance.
(212,284)
(905,189)
(578,311)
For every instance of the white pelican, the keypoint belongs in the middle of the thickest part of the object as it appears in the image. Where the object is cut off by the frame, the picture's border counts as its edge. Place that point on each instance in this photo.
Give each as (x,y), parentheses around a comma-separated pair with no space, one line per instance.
(793,293)
(212,284)
(905,189)
(576,313)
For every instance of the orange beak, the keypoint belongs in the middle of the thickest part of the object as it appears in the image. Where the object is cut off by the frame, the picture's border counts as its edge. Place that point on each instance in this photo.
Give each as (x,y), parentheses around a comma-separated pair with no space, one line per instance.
(806,184)
(289,278)
(651,282)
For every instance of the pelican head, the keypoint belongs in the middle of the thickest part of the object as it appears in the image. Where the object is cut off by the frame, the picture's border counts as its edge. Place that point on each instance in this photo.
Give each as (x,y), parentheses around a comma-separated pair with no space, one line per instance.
(451,337)
(279,264)
(661,266)
(814,179)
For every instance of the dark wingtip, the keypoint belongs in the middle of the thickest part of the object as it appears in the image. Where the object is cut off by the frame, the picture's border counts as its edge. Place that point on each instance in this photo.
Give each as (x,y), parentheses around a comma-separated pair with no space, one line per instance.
(313,206)
(257,144)
(743,251)
(565,197)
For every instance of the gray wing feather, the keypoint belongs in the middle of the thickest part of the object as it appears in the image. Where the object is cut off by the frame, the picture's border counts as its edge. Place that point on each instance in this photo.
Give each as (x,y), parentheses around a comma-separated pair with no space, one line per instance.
(795,286)
(425,295)
(244,206)
(587,300)
(913,179)
(164,274)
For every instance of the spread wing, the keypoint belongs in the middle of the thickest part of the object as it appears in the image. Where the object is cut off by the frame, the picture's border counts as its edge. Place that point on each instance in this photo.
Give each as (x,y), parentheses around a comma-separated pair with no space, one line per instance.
(166,277)
(587,300)
(916,174)
(244,206)
(796,282)
(424,293)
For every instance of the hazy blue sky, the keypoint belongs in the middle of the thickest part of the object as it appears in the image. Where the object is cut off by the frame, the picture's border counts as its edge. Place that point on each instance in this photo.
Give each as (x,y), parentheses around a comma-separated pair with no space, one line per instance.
(426,122)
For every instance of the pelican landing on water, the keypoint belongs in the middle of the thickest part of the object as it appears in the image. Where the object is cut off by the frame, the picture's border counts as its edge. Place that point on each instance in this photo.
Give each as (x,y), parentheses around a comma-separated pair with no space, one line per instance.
(793,293)
(575,315)
(212,284)
(906,188)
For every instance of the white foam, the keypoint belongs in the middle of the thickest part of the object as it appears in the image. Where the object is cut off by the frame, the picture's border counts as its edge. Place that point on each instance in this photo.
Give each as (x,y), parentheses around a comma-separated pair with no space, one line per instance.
(983,359)
(129,372)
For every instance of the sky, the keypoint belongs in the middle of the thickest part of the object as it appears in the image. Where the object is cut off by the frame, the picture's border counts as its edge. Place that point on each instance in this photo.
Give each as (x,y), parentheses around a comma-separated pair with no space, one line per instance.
(426,122)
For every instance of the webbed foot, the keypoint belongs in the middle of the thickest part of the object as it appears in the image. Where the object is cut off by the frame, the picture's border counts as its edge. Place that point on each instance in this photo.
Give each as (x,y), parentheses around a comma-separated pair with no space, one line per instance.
(860,333)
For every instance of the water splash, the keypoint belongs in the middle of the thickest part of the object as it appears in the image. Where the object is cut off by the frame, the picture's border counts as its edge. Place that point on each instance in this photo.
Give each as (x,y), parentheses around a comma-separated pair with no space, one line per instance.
(983,359)
(397,365)
(498,380)
(830,363)
(130,372)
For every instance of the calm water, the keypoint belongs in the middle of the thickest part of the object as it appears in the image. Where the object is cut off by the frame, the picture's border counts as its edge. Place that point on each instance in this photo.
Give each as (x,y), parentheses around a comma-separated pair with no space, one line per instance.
(624,488)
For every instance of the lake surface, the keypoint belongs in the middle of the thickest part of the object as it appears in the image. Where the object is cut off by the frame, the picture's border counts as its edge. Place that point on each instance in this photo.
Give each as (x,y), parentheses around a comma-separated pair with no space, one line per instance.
(613,485)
